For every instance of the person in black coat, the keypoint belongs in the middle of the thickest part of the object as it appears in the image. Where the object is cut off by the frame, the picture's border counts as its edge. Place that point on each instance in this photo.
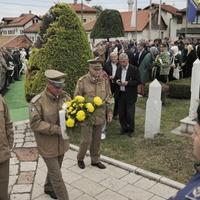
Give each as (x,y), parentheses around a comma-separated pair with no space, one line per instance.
(127,80)
(190,59)
(110,68)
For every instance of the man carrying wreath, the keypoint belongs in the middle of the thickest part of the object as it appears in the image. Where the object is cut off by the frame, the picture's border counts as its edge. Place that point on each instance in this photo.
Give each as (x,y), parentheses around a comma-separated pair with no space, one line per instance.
(44,121)
(92,85)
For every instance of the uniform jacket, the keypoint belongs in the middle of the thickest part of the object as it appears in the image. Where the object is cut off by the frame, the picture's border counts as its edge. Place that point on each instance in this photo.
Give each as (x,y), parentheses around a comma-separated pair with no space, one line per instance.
(89,88)
(44,121)
(6,132)
(133,79)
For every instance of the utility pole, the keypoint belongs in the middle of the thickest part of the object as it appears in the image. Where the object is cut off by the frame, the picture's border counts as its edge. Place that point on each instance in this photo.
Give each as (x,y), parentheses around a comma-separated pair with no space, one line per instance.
(186,20)
(82,11)
(150,22)
(159,19)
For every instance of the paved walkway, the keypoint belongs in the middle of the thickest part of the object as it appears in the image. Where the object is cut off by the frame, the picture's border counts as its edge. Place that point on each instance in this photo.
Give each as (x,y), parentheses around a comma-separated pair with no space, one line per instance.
(28,171)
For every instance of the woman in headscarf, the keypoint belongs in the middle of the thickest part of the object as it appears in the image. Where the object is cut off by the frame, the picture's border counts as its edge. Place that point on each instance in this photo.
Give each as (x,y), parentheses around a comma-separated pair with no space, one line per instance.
(190,58)
(163,60)
(175,64)
(145,67)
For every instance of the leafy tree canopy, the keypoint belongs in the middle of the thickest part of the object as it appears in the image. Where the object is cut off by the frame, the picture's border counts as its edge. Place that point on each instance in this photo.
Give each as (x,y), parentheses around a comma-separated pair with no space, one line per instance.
(109,24)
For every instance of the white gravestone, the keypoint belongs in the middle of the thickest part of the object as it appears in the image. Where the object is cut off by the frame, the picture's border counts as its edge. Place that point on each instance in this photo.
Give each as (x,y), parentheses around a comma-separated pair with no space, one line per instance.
(153,110)
(195,90)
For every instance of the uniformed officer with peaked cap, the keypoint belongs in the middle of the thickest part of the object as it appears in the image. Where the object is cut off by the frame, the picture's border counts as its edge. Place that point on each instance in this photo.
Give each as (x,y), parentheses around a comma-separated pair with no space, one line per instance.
(44,121)
(90,85)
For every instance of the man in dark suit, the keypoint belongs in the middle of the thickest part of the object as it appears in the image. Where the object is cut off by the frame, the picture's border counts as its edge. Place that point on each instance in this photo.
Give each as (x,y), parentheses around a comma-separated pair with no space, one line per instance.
(127,79)
(110,68)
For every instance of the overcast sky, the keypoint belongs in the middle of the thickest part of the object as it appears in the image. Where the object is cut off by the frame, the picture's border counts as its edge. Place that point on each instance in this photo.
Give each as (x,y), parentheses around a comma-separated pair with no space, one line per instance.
(9,8)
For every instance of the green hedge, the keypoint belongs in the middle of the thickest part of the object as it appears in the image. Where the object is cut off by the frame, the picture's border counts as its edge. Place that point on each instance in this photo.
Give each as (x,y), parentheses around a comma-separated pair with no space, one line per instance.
(180,89)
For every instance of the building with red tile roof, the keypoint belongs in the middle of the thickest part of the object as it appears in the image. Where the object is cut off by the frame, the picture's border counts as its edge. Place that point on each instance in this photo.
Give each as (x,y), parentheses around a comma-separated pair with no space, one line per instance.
(141,31)
(89,13)
(13,26)
(171,16)
(12,42)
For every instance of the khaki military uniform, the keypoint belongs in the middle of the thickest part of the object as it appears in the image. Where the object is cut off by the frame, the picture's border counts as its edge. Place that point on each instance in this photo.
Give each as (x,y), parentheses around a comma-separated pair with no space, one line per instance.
(88,87)
(44,121)
(6,143)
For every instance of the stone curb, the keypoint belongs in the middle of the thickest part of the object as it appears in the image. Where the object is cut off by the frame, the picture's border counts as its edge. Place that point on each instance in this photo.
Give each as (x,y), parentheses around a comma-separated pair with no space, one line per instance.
(137,170)
(128,167)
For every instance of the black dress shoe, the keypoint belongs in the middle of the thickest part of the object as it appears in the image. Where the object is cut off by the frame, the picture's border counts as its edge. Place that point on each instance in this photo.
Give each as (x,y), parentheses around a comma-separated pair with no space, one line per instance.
(51,194)
(130,134)
(81,164)
(99,165)
(123,131)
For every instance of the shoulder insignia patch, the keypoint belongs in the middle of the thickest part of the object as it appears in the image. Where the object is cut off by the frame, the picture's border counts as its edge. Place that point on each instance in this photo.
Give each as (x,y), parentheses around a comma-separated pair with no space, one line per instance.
(35,98)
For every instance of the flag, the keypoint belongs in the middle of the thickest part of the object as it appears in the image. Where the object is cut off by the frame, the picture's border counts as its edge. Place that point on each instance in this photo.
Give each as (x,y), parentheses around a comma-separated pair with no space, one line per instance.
(134,15)
(192,10)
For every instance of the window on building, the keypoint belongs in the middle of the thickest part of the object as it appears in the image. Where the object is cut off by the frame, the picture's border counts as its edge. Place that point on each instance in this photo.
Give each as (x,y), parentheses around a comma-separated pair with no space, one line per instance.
(84,20)
(197,20)
(179,20)
(5,32)
(21,31)
(11,32)
(36,21)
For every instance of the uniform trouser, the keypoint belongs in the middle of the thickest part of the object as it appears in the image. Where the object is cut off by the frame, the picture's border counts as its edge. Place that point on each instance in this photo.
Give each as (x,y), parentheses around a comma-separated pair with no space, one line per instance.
(126,113)
(4,178)
(54,180)
(90,136)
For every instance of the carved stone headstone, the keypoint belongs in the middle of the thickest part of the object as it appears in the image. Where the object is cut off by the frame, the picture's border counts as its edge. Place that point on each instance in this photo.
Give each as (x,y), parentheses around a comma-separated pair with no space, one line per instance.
(153,110)
(187,124)
(195,90)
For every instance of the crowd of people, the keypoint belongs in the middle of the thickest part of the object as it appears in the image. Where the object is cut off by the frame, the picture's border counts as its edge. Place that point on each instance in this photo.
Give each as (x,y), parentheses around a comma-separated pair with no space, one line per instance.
(12,64)
(119,72)
(161,59)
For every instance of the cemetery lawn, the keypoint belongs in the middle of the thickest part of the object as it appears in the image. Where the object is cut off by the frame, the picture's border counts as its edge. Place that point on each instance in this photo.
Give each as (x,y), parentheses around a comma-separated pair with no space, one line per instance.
(167,155)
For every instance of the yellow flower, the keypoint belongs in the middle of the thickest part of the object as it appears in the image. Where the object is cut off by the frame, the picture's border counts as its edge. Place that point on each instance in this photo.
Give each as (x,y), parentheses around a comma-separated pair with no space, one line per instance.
(70,123)
(70,109)
(90,107)
(68,103)
(81,105)
(98,101)
(80,115)
(80,99)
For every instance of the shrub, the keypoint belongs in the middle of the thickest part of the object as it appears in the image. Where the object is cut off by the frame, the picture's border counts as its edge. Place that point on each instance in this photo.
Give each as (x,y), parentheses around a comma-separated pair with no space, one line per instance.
(180,89)
(66,48)
(108,25)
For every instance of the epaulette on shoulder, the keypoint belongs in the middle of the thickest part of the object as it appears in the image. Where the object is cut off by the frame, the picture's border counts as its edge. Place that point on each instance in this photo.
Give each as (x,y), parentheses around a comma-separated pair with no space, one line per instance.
(67,94)
(36,98)
(83,77)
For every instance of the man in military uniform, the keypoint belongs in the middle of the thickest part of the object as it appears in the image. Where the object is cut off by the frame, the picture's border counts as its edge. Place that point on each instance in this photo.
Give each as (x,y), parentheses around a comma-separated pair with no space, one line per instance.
(90,85)
(44,120)
(6,143)
(192,189)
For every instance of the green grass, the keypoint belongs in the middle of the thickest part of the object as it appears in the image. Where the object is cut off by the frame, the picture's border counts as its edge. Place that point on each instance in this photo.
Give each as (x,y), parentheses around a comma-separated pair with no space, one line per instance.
(168,155)
(15,99)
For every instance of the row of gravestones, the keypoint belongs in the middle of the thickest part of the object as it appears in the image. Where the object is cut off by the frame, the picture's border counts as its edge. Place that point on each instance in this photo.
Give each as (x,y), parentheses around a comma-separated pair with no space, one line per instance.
(154,106)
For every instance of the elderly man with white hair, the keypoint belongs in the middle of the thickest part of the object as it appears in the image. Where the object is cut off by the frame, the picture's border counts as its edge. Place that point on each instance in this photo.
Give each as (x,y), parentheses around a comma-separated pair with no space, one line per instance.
(127,79)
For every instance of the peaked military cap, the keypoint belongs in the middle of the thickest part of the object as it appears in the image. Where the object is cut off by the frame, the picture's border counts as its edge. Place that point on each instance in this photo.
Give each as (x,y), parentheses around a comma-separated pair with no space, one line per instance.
(55,77)
(95,63)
